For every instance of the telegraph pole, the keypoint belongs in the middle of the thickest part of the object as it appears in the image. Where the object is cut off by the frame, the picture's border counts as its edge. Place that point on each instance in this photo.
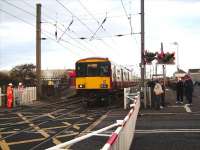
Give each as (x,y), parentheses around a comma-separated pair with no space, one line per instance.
(163,67)
(142,65)
(38,49)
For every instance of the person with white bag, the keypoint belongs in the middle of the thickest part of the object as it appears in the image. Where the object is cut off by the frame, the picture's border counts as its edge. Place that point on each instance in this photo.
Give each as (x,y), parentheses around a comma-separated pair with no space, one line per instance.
(158,92)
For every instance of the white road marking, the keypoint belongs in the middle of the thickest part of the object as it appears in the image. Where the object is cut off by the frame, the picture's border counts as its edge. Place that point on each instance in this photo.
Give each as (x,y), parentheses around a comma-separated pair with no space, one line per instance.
(169,131)
(187,108)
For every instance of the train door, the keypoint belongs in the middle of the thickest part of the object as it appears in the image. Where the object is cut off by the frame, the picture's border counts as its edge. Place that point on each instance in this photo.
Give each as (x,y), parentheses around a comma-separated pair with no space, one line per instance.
(114,77)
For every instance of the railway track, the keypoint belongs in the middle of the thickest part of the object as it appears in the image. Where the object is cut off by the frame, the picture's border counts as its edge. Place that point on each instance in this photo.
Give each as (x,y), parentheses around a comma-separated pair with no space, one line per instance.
(43,126)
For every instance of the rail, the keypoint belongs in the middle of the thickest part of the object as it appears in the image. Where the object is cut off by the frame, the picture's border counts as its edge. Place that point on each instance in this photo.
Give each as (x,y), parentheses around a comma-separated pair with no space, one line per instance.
(123,136)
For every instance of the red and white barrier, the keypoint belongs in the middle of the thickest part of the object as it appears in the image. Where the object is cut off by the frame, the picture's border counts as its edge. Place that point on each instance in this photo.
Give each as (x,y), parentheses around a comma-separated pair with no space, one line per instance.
(122,138)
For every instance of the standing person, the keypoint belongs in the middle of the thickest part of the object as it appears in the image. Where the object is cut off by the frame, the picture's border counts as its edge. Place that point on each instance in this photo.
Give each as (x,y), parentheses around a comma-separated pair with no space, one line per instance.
(179,91)
(163,94)
(158,91)
(9,96)
(188,84)
(20,92)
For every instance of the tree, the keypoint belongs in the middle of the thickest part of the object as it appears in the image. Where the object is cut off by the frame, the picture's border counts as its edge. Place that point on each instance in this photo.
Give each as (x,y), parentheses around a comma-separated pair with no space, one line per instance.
(24,73)
(4,78)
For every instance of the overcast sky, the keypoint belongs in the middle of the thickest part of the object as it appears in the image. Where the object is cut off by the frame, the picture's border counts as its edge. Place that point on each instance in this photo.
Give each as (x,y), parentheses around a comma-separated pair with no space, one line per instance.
(166,21)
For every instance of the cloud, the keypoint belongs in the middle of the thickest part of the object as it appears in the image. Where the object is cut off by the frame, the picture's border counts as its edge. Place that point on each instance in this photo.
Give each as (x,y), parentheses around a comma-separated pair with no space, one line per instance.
(165,21)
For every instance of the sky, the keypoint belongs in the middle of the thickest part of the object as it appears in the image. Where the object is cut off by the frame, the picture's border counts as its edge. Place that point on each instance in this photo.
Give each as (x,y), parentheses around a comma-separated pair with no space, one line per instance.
(80,34)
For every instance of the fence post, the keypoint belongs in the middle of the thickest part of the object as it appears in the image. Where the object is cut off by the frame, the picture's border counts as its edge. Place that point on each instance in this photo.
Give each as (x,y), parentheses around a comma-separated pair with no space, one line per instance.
(145,97)
(125,95)
(149,92)
(0,98)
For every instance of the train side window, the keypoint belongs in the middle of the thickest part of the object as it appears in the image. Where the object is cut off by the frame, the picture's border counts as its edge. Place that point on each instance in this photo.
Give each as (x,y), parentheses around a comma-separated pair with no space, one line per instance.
(81,70)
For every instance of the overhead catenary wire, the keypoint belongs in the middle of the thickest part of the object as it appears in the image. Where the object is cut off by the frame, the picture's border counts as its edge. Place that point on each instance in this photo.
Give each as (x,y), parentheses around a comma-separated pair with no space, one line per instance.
(100,26)
(11,4)
(43,32)
(27,4)
(69,43)
(128,16)
(84,48)
(81,22)
(93,17)
(6,12)
(34,25)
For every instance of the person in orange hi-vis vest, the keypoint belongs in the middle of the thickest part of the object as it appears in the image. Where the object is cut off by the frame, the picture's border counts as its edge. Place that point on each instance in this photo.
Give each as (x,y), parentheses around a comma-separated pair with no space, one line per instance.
(9,95)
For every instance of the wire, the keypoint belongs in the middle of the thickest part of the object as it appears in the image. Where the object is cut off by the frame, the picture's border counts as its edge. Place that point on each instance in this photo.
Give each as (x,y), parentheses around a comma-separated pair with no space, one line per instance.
(128,16)
(74,16)
(124,9)
(88,11)
(25,2)
(92,37)
(81,22)
(16,17)
(33,25)
(43,32)
(5,1)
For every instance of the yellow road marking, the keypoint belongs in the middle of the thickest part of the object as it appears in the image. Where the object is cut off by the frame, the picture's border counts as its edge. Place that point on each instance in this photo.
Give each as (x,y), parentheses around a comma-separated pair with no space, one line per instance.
(3,144)
(37,128)
(82,115)
(8,118)
(81,124)
(76,127)
(90,118)
(8,132)
(51,116)
(26,141)
(66,123)
(69,134)
(92,126)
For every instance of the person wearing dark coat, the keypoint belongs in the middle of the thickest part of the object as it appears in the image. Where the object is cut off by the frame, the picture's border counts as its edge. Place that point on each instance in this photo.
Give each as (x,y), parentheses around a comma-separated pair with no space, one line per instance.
(188,85)
(179,91)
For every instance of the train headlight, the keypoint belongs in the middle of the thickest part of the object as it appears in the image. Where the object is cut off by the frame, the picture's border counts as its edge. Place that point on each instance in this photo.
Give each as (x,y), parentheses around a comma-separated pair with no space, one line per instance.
(104,86)
(81,86)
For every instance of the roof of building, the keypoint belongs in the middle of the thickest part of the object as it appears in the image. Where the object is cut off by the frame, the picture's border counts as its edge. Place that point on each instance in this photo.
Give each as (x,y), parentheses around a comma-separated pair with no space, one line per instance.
(194,71)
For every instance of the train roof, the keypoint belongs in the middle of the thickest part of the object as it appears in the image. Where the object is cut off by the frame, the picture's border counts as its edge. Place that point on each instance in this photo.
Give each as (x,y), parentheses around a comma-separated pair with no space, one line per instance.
(92,59)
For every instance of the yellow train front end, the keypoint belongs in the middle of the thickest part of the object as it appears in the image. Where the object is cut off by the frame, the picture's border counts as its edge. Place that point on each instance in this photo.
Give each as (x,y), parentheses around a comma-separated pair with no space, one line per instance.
(93,77)
(92,83)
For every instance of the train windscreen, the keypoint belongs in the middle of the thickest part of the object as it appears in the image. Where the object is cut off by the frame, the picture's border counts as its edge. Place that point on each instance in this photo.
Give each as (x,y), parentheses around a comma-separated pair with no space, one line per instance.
(93,69)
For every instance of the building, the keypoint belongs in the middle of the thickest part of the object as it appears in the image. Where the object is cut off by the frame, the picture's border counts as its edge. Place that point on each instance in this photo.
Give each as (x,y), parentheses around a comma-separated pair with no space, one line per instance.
(195,75)
(180,73)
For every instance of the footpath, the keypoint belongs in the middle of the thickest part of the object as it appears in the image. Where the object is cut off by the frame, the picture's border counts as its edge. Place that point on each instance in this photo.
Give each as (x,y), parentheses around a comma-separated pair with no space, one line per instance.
(176,127)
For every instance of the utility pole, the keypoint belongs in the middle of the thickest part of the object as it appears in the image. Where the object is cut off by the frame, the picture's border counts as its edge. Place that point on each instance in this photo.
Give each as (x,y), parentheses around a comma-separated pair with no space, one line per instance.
(38,49)
(163,67)
(142,65)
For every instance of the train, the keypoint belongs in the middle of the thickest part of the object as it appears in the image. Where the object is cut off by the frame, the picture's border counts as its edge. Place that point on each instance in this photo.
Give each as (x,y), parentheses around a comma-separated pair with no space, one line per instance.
(100,78)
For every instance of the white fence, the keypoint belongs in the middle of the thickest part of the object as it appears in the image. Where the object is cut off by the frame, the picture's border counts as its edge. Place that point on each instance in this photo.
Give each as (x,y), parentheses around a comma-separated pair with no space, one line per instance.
(24,97)
(129,94)
(122,138)
(27,96)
